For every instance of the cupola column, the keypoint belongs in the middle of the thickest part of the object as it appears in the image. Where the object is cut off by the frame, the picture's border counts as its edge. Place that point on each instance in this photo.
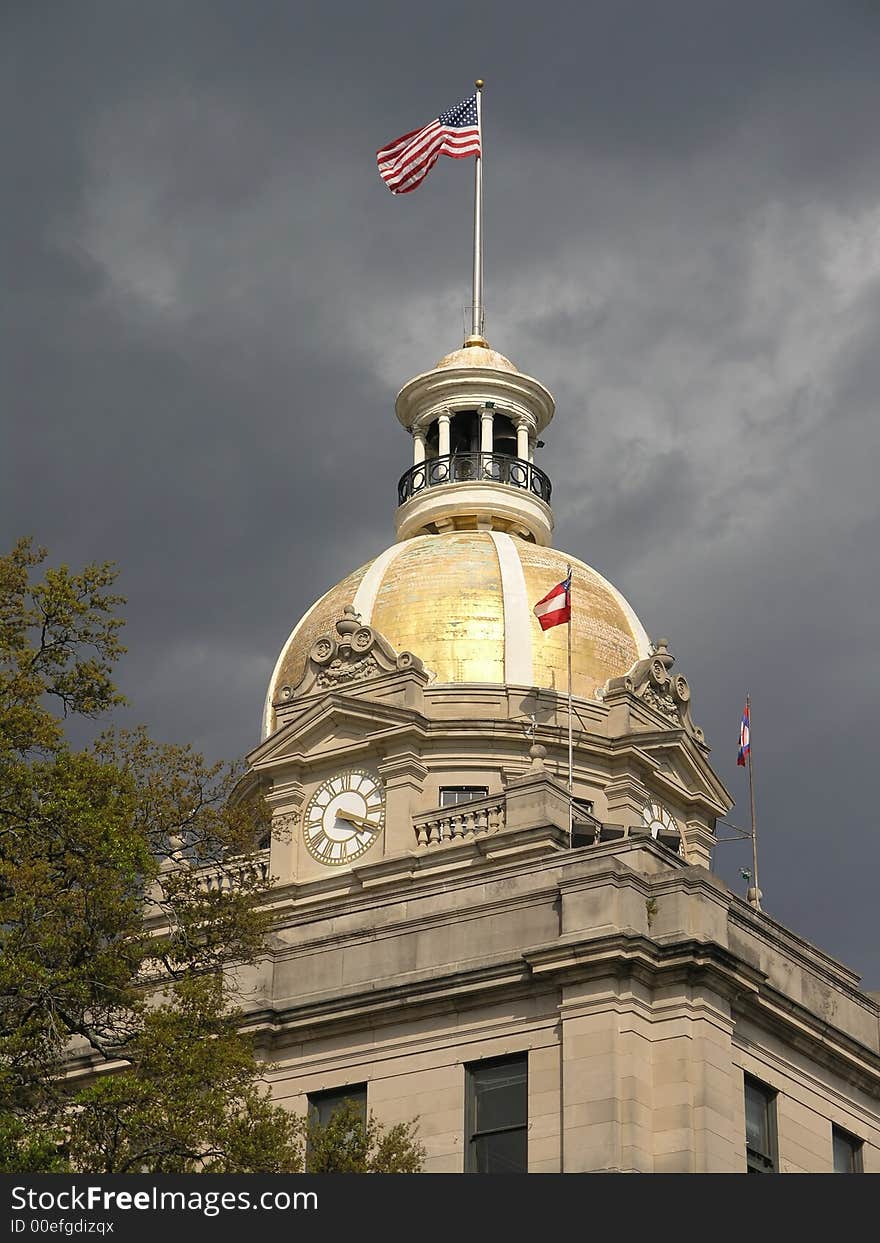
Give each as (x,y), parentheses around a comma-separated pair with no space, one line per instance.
(522,440)
(443,435)
(418,447)
(487,430)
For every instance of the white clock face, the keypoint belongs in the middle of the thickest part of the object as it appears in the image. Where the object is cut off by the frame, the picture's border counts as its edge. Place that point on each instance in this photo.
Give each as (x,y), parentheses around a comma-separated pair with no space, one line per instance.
(658,820)
(344,817)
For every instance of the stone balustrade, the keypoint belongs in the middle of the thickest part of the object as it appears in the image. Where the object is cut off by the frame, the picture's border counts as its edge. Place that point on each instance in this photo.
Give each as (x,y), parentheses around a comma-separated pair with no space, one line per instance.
(448,824)
(225,877)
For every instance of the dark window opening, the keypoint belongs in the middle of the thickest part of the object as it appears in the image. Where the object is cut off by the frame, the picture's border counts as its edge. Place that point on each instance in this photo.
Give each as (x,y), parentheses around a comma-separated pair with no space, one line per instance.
(584,825)
(496,1116)
(761,1155)
(464,432)
(847,1152)
(323,1105)
(451,796)
(504,435)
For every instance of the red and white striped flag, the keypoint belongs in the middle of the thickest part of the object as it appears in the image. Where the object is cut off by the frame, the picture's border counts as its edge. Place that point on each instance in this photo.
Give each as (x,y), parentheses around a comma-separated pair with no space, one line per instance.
(406,162)
(555,608)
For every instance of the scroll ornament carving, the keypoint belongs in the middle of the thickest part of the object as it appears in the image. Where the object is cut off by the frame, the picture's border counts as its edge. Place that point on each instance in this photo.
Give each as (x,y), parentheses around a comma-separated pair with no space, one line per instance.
(340,671)
(355,653)
(652,681)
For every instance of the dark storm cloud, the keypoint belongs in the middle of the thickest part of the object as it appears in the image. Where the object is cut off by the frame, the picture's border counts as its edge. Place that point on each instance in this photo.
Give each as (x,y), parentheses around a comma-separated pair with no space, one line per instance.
(209,301)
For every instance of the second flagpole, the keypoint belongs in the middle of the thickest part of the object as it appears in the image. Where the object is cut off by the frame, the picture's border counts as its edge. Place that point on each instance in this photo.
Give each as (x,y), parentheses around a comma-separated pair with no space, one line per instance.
(570,751)
(754,894)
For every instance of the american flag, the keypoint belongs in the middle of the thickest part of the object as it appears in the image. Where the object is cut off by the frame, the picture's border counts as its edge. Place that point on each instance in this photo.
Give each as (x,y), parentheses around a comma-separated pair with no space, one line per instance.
(406,162)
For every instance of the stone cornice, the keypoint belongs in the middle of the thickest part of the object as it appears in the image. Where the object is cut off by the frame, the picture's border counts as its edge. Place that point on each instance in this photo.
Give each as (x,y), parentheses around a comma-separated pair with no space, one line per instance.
(469,863)
(777,935)
(356,1008)
(616,955)
(445,389)
(424,923)
(747,989)
(392,725)
(402,767)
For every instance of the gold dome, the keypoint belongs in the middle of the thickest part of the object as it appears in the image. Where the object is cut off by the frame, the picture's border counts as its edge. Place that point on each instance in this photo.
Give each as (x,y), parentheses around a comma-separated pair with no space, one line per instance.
(462,601)
(477,356)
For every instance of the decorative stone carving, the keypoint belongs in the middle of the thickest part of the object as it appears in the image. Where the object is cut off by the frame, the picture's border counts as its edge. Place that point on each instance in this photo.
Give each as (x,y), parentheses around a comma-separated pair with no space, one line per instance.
(356,653)
(340,671)
(537,755)
(652,681)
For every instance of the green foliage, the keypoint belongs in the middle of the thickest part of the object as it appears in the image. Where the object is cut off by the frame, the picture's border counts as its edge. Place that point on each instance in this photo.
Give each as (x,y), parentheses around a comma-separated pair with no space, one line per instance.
(115,951)
(190,1101)
(350,1145)
(103,853)
(29,1149)
(58,640)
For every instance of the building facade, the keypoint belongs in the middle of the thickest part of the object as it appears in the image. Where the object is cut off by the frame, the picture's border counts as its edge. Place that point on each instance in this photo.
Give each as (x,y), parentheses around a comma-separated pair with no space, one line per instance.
(493,893)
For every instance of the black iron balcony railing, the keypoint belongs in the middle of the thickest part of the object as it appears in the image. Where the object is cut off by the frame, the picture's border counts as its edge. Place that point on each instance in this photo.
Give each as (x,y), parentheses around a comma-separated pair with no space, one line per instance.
(474,468)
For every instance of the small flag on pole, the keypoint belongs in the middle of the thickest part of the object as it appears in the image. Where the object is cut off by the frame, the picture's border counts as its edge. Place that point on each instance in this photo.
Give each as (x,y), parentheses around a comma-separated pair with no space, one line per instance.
(555,608)
(406,162)
(744,738)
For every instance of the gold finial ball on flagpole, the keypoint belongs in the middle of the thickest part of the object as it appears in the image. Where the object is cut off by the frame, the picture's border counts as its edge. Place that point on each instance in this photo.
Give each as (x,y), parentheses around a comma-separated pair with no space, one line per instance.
(479,84)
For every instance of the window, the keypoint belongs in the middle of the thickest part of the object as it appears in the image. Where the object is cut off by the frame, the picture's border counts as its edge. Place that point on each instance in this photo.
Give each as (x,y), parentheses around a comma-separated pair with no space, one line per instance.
(760,1128)
(496,1116)
(847,1152)
(451,796)
(323,1105)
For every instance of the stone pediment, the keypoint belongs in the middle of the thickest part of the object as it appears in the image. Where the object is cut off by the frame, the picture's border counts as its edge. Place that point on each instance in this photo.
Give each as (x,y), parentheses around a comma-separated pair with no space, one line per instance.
(683,764)
(355,654)
(668,694)
(335,722)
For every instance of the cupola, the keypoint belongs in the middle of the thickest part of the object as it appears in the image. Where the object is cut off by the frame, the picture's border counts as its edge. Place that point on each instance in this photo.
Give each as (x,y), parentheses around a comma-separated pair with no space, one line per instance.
(475,421)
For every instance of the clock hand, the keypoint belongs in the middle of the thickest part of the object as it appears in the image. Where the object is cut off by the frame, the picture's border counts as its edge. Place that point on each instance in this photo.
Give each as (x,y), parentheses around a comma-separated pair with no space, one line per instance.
(351,817)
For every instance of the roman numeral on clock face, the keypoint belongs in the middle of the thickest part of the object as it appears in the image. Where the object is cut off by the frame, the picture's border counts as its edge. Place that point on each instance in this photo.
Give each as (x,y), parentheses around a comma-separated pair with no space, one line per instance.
(321,844)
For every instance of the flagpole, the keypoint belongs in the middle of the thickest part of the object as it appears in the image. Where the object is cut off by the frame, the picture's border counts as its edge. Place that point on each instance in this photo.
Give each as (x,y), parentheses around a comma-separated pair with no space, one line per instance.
(476,336)
(570,765)
(754,895)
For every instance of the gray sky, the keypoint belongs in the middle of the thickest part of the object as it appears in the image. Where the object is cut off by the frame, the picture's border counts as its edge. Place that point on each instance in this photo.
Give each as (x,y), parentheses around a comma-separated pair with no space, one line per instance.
(210,300)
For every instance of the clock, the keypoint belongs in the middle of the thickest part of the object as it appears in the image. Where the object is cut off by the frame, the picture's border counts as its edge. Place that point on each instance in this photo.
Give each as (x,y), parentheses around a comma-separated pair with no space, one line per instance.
(344,817)
(657,819)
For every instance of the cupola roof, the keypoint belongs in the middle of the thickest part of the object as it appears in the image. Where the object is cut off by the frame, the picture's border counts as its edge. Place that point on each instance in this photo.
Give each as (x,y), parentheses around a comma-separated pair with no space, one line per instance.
(477,356)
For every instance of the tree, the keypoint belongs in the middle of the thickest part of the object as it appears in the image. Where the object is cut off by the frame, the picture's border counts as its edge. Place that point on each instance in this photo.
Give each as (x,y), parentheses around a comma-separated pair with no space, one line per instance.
(128,889)
(103,856)
(190,1102)
(349,1144)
